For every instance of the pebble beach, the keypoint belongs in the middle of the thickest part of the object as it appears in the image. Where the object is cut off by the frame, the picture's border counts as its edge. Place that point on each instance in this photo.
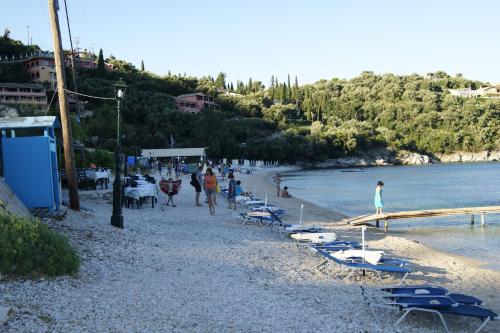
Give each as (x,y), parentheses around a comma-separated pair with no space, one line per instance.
(183,270)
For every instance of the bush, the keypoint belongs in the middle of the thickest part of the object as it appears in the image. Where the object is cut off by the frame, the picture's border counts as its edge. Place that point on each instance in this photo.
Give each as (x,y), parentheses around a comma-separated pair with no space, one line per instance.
(29,248)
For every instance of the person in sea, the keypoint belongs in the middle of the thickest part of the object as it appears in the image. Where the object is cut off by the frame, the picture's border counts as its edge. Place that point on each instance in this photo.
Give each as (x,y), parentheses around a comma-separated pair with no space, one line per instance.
(277,180)
(197,187)
(170,192)
(231,193)
(379,204)
(285,193)
(210,183)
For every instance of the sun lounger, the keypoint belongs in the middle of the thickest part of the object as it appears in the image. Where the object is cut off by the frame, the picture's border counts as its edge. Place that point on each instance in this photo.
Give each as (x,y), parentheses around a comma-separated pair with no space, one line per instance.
(426,290)
(302,228)
(437,304)
(356,264)
(315,237)
(262,217)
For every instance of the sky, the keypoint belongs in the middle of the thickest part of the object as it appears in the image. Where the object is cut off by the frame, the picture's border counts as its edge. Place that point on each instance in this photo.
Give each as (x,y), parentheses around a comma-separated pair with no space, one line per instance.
(312,40)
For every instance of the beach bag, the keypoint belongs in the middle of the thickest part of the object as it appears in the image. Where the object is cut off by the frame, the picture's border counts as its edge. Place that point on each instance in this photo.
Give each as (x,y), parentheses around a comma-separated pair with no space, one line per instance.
(217,188)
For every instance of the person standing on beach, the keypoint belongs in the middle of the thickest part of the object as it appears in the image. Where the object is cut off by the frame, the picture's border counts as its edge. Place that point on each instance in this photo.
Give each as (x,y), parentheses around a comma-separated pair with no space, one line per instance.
(197,187)
(210,183)
(277,180)
(231,193)
(379,204)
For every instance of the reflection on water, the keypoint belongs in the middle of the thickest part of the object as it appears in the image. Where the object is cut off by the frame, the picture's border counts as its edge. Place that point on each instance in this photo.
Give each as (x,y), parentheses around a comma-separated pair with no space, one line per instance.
(416,188)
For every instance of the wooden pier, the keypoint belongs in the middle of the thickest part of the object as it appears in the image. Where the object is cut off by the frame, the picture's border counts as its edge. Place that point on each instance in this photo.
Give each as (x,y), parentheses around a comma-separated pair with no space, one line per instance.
(365,219)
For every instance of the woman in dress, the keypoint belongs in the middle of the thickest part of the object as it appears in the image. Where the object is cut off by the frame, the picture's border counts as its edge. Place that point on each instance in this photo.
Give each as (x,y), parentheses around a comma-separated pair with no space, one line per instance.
(197,187)
(210,183)
(379,204)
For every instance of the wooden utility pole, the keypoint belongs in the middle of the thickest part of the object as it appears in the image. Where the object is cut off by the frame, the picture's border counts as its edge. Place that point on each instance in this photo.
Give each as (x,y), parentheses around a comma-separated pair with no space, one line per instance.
(74,201)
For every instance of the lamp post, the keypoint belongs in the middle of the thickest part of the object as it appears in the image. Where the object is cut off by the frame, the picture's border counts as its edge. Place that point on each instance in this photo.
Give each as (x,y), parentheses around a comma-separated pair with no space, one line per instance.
(117,217)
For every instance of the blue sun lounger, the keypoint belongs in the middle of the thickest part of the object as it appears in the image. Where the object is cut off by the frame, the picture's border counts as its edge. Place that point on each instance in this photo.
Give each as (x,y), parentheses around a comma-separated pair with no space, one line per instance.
(429,291)
(262,217)
(437,304)
(385,266)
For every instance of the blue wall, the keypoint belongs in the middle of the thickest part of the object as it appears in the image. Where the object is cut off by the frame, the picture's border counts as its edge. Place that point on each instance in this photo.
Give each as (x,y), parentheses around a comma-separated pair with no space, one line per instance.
(30,168)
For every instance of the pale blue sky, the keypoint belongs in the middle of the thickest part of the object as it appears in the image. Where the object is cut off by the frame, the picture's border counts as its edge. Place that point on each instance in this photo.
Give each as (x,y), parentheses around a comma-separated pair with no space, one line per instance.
(310,39)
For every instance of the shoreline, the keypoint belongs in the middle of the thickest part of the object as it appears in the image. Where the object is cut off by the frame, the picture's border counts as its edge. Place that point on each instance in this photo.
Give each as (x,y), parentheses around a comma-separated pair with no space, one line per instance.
(406,236)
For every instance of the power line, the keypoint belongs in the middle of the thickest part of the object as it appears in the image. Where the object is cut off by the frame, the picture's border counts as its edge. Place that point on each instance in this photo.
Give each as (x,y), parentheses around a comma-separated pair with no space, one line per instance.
(73,68)
(89,96)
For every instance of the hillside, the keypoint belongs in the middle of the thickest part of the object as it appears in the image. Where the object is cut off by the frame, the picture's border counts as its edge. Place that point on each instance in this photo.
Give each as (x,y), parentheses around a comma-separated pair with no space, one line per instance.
(291,122)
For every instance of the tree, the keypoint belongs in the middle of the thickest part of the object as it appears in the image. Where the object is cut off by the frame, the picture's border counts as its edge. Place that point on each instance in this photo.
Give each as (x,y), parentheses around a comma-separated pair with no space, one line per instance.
(272,89)
(6,33)
(101,70)
(220,81)
(288,90)
(250,86)
(142,65)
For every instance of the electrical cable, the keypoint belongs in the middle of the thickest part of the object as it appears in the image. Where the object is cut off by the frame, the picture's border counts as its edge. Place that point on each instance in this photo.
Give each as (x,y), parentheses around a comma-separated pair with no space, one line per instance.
(73,68)
(89,96)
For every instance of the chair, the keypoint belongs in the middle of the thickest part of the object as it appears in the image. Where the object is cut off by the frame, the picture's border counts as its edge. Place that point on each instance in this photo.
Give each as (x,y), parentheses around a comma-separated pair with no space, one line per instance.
(84,182)
(429,290)
(353,265)
(437,304)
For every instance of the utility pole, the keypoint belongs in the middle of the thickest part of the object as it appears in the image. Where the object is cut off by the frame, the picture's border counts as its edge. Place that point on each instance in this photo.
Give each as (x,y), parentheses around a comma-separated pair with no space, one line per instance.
(74,201)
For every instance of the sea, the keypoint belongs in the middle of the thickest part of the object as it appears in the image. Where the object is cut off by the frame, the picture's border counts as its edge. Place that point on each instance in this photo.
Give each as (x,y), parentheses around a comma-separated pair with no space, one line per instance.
(351,192)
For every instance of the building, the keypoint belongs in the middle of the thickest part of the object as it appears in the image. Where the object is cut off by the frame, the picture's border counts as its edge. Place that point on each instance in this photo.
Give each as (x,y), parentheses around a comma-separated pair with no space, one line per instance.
(484,92)
(23,94)
(194,103)
(41,67)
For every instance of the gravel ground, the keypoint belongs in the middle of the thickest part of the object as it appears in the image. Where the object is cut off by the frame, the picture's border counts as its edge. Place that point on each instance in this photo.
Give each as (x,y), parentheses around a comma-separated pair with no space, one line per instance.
(186,271)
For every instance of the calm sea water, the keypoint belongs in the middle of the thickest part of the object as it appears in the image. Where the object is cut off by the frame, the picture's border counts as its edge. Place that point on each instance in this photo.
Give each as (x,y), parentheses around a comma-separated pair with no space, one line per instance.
(414,188)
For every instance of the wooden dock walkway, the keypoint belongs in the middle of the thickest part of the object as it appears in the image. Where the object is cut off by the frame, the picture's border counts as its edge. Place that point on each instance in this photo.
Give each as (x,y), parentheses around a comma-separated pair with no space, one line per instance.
(365,219)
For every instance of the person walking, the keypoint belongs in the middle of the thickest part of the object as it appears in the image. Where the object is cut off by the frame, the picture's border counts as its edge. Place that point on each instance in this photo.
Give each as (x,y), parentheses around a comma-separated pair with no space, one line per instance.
(231,193)
(170,192)
(210,183)
(277,180)
(197,187)
(159,167)
(379,204)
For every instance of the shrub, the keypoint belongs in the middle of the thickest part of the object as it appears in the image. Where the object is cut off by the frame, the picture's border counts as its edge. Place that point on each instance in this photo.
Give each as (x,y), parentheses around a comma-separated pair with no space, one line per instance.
(29,248)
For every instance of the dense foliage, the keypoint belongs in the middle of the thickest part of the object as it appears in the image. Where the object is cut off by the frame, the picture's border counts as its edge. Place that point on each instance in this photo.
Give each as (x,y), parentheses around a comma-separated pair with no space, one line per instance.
(288,121)
(29,248)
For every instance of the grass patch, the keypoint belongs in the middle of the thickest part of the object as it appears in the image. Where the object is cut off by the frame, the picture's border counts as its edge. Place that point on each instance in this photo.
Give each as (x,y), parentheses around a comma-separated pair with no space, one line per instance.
(28,248)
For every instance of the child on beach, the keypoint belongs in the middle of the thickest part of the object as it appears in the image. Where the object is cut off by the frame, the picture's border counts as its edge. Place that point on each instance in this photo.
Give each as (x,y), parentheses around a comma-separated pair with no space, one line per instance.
(170,192)
(285,193)
(231,193)
(379,204)
(277,180)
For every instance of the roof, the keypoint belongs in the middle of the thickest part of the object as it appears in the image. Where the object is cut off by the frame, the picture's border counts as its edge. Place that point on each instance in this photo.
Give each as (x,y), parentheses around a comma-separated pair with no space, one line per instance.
(29,122)
(173,152)
(193,94)
(22,85)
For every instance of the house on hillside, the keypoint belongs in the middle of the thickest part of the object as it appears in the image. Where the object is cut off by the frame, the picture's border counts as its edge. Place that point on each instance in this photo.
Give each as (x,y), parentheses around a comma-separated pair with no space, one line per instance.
(485,92)
(41,67)
(23,94)
(194,103)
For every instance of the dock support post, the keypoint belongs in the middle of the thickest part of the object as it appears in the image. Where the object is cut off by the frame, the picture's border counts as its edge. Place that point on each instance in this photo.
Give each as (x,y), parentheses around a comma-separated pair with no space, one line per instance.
(482,219)
(377,223)
(386,224)
(472,219)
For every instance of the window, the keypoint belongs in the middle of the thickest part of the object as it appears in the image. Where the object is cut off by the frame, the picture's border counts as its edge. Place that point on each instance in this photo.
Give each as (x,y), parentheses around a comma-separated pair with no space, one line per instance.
(199,98)
(37,75)
(192,105)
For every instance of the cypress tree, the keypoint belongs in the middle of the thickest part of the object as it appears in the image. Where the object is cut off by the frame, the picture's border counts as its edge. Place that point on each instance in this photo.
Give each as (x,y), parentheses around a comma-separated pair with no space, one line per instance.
(101,70)
(272,88)
(250,86)
(288,90)
(283,93)
(142,65)
(232,89)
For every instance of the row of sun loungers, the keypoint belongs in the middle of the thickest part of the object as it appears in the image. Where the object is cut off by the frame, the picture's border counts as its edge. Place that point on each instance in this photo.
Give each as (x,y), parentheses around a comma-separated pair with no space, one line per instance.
(353,257)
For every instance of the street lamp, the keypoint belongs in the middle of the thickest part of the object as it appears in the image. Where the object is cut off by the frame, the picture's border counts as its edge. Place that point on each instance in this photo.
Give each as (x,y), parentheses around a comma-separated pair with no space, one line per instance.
(117,217)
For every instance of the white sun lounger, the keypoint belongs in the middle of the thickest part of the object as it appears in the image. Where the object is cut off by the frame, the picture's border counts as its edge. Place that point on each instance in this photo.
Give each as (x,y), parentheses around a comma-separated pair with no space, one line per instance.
(318,237)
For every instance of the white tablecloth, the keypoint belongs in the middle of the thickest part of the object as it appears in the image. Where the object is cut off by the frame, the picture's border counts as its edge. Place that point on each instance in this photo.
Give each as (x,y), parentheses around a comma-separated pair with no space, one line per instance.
(141,191)
(96,175)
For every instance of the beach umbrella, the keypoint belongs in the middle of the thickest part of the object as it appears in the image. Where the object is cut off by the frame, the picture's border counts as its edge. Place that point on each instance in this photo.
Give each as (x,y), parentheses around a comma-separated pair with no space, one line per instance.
(363,228)
(301,211)
(266,200)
